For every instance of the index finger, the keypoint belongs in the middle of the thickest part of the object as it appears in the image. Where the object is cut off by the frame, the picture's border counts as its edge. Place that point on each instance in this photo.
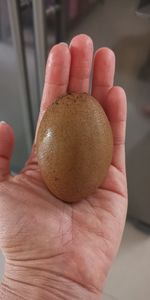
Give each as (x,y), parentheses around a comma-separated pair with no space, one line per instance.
(56,76)
(56,84)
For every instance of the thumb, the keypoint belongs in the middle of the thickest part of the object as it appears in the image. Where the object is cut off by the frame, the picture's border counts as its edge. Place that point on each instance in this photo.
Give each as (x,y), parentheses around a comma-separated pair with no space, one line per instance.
(6,148)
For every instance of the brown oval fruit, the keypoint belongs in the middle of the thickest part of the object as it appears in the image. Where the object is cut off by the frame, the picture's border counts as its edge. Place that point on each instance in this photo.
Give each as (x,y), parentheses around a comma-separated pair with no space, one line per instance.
(74,146)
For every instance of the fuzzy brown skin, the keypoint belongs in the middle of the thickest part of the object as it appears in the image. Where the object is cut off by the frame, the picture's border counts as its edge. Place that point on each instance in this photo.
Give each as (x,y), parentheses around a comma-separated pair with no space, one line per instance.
(74,146)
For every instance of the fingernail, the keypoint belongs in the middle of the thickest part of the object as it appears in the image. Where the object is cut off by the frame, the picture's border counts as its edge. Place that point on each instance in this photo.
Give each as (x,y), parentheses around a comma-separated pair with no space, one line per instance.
(53,52)
(3,122)
(63,43)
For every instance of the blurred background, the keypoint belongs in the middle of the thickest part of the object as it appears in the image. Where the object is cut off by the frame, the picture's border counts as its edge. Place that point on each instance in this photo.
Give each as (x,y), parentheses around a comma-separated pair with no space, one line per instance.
(28,29)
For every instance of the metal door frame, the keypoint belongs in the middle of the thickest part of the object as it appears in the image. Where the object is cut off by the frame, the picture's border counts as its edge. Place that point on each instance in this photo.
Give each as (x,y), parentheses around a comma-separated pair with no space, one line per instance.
(17,40)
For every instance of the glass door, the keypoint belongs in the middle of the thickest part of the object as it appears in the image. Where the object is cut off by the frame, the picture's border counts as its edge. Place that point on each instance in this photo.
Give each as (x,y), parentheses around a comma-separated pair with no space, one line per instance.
(14,97)
(28,29)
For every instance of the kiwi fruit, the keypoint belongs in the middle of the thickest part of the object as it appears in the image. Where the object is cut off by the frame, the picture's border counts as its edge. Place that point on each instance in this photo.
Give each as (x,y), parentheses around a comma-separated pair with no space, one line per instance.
(74,146)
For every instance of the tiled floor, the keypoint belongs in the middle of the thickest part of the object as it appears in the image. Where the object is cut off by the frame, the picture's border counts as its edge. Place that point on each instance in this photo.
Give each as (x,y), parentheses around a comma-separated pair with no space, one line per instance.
(2,262)
(129,278)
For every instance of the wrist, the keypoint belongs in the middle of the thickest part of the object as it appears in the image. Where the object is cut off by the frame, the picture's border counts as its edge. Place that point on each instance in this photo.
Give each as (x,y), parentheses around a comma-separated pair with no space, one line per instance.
(64,291)
(43,286)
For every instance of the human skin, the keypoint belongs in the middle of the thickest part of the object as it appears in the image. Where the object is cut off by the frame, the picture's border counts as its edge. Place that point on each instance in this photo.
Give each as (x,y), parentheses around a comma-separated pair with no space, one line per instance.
(55,250)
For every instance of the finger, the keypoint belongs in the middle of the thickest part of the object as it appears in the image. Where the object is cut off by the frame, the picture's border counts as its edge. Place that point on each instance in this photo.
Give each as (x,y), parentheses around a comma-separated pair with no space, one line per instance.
(115,106)
(103,73)
(56,76)
(6,148)
(81,48)
(56,84)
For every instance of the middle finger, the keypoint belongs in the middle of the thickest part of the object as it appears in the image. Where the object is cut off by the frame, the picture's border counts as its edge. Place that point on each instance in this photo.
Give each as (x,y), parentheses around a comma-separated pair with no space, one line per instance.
(81,49)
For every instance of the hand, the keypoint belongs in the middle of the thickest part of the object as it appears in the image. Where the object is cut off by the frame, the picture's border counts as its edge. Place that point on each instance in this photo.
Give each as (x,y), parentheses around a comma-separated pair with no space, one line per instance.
(56,250)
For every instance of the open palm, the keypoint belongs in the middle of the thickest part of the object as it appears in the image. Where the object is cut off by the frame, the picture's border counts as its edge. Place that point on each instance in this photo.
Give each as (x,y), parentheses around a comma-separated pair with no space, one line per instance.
(60,250)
